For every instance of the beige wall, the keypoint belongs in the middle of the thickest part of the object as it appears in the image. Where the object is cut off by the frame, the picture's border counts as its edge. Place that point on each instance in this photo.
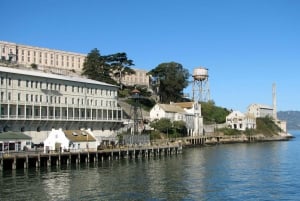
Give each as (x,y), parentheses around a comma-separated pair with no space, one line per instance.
(139,78)
(58,61)
(43,57)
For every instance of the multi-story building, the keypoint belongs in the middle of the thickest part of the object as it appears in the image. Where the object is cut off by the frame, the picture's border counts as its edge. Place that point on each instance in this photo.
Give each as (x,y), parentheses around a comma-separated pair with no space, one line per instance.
(34,102)
(259,110)
(140,78)
(57,61)
(239,121)
(46,59)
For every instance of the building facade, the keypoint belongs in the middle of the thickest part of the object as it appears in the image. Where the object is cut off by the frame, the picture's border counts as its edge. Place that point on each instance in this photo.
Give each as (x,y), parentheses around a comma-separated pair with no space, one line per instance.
(34,102)
(46,59)
(57,61)
(259,110)
(189,112)
(239,121)
(140,78)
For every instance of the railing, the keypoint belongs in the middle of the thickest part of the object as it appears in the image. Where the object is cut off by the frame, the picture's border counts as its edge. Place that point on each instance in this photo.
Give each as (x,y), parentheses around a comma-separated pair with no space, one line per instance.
(55,118)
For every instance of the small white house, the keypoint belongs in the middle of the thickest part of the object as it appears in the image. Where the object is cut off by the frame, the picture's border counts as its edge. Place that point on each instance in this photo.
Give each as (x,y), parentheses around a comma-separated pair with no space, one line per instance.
(56,141)
(189,112)
(14,141)
(70,140)
(238,120)
(169,111)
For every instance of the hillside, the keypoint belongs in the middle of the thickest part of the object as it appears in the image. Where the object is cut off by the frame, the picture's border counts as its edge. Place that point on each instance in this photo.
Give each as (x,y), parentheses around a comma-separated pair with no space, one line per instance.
(292,118)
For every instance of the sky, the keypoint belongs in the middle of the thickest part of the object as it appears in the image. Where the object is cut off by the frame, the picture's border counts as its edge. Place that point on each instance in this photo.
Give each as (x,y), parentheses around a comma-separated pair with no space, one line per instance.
(246,45)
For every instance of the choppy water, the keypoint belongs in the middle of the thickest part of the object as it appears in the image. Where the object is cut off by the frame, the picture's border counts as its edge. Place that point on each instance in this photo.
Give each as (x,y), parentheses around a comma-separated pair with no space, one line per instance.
(259,171)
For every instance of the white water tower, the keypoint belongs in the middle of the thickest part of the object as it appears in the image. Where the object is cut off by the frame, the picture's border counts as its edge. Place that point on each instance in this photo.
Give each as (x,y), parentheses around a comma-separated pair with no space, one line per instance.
(200,85)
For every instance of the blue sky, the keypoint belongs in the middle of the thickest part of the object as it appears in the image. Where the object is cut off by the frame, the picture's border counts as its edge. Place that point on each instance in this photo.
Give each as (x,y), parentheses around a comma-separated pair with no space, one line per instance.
(247,45)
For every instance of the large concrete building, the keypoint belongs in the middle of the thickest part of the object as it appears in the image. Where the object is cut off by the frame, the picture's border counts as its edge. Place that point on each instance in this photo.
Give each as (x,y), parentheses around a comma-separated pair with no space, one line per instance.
(57,61)
(46,59)
(34,102)
(140,78)
(259,110)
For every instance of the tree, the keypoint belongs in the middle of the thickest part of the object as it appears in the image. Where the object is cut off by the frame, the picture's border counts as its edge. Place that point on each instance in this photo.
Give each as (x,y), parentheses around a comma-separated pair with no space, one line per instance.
(180,127)
(96,68)
(120,65)
(212,113)
(171,78)
(163,125)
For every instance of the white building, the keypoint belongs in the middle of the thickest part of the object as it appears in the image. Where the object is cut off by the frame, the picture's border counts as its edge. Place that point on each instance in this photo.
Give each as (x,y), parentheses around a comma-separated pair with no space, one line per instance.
(189,112)
(14,141)
(34,102)
(239,121)
(259,110)
(70,140)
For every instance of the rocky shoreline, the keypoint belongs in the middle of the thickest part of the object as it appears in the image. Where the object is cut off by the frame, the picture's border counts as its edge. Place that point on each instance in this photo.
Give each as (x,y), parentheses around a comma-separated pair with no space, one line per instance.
(224,139)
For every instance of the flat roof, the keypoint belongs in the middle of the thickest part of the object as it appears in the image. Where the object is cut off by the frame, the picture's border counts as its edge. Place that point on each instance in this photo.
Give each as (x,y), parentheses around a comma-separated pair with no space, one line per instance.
(36,73)
(10,135)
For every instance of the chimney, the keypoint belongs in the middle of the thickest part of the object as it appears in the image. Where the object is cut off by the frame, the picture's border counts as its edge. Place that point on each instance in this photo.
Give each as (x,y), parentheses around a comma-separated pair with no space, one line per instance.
(274,101)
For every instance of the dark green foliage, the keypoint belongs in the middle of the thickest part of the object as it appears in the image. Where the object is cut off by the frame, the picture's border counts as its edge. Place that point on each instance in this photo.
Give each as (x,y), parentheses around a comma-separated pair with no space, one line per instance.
(34,66)
(103,68)
(154,135)
(171,129)
(213,114)
(119,65)
(95,68)
(163,125)
(145,103)
(266,126)
(229,131)
(170,79)
(180,129)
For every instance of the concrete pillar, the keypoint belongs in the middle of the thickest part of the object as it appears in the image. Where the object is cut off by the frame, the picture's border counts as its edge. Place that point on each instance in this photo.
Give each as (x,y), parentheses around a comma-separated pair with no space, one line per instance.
(49,161)
(87,159)
(78,158)
(96,158)
(26,162)
(1,164)
(14,164)
(38,162)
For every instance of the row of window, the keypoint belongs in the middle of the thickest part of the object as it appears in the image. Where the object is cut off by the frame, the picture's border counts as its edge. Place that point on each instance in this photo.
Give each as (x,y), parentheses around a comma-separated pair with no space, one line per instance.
(41,57)
(46,55)
(59,100)
(39,61)
(58,87)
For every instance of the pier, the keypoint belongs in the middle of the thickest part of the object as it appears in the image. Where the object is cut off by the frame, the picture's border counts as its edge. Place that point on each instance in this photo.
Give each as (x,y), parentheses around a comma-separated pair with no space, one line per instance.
(37,159)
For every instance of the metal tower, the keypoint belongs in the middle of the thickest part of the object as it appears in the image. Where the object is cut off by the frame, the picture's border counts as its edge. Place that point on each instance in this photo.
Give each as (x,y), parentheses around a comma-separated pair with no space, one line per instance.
(136,113)
(201,92)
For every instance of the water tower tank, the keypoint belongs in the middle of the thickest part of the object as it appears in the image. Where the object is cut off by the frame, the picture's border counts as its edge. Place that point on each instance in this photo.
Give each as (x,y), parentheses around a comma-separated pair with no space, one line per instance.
(200,74)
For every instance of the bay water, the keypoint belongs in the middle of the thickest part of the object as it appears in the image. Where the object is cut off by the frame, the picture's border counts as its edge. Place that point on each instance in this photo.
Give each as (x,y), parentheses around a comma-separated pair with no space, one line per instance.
(255,171)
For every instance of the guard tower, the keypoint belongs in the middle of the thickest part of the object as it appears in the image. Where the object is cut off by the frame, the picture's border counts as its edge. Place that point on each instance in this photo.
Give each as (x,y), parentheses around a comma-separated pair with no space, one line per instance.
(136,113)
(201,90)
